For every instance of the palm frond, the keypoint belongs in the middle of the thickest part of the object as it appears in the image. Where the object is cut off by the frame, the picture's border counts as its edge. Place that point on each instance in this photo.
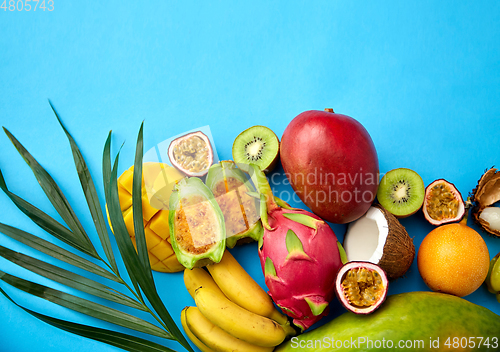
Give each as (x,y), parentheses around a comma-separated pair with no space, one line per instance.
(91,196)
(55,196)
(136,261)
(55,251)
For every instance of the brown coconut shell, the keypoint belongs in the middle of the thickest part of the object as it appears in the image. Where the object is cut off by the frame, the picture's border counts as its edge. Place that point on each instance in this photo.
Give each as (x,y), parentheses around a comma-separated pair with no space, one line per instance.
(399,250)
(486,193)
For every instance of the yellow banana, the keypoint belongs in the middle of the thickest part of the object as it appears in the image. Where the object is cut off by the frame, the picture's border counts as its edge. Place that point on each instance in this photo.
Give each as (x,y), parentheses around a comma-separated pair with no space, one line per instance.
(242,289)
(198,277)
(238,321)
(190,335)
(213,337)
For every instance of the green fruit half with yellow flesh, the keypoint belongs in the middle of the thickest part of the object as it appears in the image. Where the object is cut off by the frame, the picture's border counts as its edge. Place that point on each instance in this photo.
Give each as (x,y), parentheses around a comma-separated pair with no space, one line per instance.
(429,321)
(196,223)
(241,212)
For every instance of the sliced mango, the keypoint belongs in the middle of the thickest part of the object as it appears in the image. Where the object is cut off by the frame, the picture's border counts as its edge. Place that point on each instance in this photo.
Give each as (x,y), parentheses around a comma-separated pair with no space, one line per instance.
(157,184)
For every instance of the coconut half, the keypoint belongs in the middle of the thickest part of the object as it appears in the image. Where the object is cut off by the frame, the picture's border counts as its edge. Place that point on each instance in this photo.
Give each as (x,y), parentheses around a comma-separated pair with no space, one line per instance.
(378,237)
(487,193)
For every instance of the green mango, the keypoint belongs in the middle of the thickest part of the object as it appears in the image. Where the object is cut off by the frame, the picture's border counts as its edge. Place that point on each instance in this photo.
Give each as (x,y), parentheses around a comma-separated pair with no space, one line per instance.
(415,321)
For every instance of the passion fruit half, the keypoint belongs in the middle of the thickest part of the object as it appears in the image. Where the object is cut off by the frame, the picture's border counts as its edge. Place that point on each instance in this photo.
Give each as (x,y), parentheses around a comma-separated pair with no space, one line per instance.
(192,154)
(443,203)
(361,287)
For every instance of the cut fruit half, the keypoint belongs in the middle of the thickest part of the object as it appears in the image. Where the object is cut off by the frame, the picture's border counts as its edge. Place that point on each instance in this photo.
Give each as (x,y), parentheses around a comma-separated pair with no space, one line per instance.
(401,191)
(257,145)
(378,237)
(231,189)
(443,203)
(361,287)
(196,224)
(484,196)
(192,154)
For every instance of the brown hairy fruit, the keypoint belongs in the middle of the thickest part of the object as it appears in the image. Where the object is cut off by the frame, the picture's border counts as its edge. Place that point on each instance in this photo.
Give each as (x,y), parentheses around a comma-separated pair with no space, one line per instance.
(484,196)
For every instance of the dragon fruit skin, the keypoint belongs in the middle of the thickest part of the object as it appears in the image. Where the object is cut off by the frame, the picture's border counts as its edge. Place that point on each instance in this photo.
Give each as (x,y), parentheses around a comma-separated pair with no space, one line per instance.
(300,258)
(304,283)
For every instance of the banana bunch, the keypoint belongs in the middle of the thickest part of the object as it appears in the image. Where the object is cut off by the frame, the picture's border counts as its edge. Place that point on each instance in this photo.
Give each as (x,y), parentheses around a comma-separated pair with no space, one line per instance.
(232,313)
(493,278)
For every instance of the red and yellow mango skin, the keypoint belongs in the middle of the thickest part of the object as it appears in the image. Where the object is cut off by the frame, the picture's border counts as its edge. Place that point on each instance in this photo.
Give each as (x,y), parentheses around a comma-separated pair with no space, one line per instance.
(331,163)
(416,318)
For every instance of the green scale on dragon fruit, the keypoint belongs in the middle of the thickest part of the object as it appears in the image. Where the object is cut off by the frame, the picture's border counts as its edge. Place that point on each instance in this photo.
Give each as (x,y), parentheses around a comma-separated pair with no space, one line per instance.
(300,256)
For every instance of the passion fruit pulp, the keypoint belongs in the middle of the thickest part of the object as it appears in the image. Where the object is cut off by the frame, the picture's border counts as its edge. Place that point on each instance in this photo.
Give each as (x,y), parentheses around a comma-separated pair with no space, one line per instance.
(443,203)
(196,224)
(361,287)
(241,211)
(192,154)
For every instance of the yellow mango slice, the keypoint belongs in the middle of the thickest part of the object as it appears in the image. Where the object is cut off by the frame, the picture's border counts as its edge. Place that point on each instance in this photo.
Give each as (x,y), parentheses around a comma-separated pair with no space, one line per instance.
(157,183)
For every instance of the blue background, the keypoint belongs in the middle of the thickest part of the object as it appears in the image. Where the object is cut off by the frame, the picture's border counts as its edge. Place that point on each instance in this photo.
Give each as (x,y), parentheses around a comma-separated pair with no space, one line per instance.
(421,76)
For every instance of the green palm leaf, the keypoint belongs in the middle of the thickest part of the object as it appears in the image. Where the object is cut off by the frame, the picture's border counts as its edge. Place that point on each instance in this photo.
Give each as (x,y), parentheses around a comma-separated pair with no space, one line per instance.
(123,341)
(90,195)
(84,306)
(136,261)
(146,279)
(45,221)
(140,239)
(136,270)
(122,237)
(55,251)
(55,195)
(68,278)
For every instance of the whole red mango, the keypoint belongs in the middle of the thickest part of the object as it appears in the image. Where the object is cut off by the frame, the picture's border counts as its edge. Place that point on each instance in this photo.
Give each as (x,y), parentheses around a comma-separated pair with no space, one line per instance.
(331,163)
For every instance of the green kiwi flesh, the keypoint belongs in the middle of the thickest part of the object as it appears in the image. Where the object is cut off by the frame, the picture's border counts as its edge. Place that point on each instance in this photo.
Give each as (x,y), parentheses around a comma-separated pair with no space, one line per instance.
(258,145)
(402,192)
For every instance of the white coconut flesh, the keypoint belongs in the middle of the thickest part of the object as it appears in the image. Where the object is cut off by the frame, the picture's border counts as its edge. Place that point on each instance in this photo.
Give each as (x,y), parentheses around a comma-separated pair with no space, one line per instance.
(366,237)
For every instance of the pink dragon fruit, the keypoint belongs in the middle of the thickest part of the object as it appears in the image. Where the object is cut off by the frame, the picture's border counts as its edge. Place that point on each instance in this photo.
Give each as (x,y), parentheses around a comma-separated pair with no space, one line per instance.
(300,257)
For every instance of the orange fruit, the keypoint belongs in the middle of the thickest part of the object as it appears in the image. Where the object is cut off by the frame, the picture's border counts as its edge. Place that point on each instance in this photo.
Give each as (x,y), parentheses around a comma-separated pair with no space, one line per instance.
(453,259)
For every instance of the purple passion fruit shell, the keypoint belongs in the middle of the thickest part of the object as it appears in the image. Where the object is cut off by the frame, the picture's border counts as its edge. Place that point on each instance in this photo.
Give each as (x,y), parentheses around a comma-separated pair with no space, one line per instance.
(443,203)
(361,287)
(192,154)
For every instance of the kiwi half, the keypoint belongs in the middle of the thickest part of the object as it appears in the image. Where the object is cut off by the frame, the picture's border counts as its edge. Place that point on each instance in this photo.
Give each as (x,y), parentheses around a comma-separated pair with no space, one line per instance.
(258,145)
(401,192)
